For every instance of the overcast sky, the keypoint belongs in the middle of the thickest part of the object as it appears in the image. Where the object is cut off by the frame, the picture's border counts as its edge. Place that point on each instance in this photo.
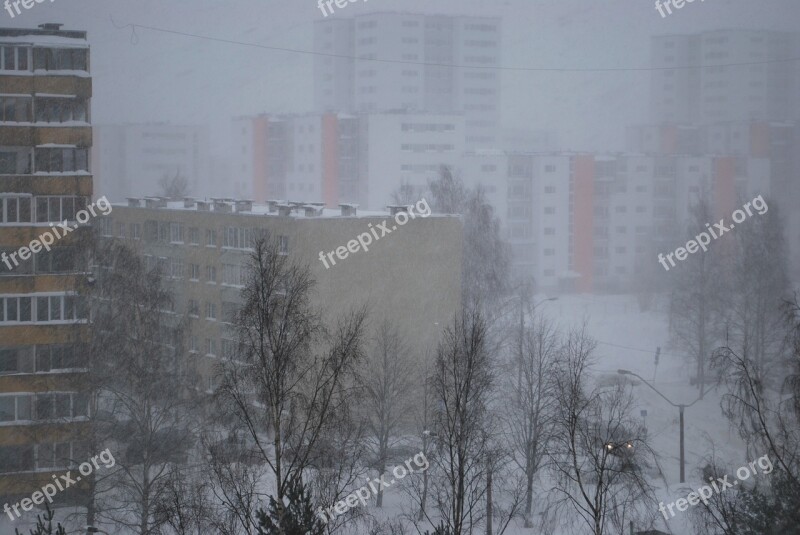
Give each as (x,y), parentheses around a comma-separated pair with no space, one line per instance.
(158,76)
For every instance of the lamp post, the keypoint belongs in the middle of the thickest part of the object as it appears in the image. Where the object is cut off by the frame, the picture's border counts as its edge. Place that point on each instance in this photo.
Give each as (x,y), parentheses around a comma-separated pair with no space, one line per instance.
(681,407)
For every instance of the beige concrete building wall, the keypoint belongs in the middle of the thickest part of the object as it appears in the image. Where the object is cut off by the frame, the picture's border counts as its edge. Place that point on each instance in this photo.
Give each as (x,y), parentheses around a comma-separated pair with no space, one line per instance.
(412,276)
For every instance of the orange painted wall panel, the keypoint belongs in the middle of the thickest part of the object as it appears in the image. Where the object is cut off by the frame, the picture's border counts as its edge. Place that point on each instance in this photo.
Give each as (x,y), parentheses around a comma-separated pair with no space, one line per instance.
(583,222)
(330,160)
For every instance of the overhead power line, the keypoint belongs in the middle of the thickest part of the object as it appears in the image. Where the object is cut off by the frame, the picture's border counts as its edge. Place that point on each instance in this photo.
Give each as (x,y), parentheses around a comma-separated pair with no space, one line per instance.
(135,39)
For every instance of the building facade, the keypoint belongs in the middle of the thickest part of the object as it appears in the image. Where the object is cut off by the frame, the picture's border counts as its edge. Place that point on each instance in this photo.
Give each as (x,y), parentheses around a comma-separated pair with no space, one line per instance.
(203,249)
(344,158)
(133,159)
(45,140)
(416,73)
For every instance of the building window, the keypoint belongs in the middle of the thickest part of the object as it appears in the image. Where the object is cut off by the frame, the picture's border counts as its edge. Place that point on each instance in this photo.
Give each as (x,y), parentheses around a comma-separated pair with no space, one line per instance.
(549,168)
(211,274)
(15,109)
(60,59)
(136,231)
(211,311)
(14,58)
(60,110)
(194,236)
(61,160)
(193,308)
(15,210)
(211,238)
(195,272)
(57,209)
(283,246)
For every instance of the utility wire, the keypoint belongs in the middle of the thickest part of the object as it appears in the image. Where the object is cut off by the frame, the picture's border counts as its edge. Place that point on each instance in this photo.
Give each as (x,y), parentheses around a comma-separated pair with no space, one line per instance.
(135,40)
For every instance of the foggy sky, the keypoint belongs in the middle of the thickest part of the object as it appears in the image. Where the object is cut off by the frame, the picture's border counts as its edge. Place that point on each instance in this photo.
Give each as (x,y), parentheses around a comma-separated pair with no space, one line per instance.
(188,80)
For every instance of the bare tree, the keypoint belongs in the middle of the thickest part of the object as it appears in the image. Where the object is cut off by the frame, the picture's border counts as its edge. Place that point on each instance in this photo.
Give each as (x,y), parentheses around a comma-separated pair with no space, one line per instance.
(532,401)
(696,310)
(174,187)
(462,382)
(599,451)
(291,376)
(144,384)
(389,381)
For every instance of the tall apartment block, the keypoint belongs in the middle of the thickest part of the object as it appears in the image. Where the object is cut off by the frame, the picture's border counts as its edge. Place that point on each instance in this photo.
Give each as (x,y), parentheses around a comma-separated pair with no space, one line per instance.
(752,91)
(582,222)
(131,160)
(45,139)
(203,248)
(413,75)
(344,158)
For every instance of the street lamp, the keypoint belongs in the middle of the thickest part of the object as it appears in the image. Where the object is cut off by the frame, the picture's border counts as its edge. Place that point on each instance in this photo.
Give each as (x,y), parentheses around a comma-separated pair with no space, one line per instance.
(680,406)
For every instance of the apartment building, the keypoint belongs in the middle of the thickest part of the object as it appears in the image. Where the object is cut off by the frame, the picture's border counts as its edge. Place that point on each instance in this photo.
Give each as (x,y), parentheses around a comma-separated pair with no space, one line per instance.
(745,142)
(203,248)
(723,91)
(593,222)
(132,159)
(344,158)
(415,74)
(45,140)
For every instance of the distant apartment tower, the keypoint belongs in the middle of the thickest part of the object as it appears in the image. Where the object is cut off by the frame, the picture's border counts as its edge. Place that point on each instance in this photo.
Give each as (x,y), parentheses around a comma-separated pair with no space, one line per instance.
(131,160)
(743,80)
(337,157)
(433,63)
(584,222)
(45,139)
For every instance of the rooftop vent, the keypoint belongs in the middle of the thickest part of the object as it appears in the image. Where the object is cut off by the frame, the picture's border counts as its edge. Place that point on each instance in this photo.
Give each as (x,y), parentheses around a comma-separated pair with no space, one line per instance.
(244,205)
(50,26)
(155,202)
(222,205)
(285,209)
(395,209)
(133,202)
(202,206)
(272,205)
(313,210)
(349,210)
(188,202)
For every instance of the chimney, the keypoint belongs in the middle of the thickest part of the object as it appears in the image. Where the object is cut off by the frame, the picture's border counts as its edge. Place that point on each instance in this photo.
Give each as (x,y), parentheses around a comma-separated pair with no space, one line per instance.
(349,210)
(133,202)
(285,210)
(188,202)
(244,205)
(395,209)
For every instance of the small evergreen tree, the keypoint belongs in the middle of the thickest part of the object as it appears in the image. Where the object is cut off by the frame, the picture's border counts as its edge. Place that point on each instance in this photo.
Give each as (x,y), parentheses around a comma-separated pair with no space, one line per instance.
(295,518)
(45,529)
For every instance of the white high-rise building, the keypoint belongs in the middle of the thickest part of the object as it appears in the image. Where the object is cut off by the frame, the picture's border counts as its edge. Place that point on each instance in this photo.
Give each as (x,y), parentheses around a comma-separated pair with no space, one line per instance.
(402,62)
(130,160)
(744,81)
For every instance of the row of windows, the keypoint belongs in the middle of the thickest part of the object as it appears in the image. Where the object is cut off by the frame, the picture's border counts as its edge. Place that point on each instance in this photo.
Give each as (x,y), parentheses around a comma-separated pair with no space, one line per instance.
(47,209)
(429,147)
(44,456)
(427,127)
(43,109)
(47,406)
(18,58)
(55,261)
(26,160)
(42,309)
(40,359)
